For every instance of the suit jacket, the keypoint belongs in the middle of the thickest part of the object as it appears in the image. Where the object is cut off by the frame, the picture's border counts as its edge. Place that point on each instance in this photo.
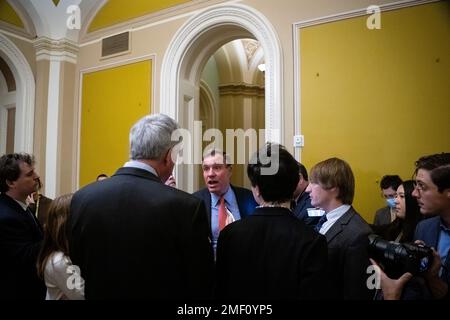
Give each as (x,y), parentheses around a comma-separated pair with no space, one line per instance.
(136,238)
(244,197)
(348,257)
(20,242)
(301,210)
(283,258)
(428,231)
(382,216)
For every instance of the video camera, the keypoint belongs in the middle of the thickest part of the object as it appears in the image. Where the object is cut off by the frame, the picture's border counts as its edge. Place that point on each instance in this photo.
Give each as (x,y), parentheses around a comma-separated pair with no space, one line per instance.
(398,258)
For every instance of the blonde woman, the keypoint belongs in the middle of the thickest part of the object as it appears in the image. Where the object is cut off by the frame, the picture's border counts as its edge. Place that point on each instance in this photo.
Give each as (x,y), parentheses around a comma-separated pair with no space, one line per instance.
(62,279)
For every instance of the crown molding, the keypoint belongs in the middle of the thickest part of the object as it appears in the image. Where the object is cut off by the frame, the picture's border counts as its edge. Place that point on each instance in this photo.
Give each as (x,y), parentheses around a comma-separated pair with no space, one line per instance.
(15,32)
(146,21)
(244,89)
(56,50)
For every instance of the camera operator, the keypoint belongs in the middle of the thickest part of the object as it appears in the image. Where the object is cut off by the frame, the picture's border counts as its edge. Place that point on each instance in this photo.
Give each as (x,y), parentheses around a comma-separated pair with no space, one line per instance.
(432,191)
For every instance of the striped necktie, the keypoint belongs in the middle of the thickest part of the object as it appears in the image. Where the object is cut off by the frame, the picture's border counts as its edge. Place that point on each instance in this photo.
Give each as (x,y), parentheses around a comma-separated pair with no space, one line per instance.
(222,214)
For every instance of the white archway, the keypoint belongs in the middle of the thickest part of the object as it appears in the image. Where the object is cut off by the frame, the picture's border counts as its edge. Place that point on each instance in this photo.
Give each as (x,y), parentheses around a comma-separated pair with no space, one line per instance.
(189,51)
(25,94)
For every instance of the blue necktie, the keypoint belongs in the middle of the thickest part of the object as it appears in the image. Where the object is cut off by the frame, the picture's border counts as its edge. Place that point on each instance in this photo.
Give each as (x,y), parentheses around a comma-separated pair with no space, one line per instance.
(319,224)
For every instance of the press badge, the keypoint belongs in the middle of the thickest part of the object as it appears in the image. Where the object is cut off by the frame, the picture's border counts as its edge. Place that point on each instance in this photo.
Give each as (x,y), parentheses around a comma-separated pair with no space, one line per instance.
(315,212)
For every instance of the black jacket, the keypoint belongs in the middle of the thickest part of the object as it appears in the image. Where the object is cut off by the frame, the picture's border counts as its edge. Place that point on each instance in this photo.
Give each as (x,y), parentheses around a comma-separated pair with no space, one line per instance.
(136,238)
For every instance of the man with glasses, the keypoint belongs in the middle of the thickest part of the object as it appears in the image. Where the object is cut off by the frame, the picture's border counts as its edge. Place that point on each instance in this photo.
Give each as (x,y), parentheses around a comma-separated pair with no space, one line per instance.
(433,196)
(224,203)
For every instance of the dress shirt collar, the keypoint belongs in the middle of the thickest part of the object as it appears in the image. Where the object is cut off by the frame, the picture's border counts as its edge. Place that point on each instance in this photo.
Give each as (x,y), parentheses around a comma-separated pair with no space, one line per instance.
(228,197)
(140,165)
(23,205)
(333,216)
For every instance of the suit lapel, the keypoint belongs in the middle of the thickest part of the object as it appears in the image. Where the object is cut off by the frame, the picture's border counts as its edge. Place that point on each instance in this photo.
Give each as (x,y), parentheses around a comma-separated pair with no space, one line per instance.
(207,198)
(337,228)
(435,235)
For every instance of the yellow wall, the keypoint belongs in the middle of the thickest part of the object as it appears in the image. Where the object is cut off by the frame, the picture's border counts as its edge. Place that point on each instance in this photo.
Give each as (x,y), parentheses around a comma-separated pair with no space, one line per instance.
(116,11)
(112,101)
(7,14)
(377,98)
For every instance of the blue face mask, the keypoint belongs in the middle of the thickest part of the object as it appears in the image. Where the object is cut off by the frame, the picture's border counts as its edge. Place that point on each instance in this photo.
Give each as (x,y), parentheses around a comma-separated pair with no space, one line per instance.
(390,202)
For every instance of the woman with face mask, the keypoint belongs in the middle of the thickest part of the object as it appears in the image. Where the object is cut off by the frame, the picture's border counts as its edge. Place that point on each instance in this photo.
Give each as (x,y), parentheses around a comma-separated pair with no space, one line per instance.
(408,215)
(402,230)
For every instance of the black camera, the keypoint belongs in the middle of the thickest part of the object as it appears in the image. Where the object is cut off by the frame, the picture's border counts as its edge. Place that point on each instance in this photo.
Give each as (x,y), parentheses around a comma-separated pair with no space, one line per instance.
(398,258)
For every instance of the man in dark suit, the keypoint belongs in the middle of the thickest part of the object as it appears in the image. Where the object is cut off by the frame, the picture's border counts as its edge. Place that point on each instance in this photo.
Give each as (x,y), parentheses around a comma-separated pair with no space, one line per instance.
(239,202)
(332,187)
(271,254)
(135,237)
(433,196)
(302,200)
(20,232)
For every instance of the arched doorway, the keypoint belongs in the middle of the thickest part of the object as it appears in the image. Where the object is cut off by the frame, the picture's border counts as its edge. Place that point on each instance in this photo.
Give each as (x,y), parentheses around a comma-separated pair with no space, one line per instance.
(25,94)
(188,53)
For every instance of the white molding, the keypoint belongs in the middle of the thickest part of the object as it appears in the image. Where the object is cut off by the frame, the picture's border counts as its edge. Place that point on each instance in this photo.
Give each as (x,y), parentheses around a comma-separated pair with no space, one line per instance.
(82,72)
(361,12)
(52,145)
(3,128)
(212,103)
(56,50)
(25,94)
(7,98)
(15,32)
(18,7)
(241,19)
(3,85)
(151,56)
(320,20)
(17,36)
(250,20)
(142,22)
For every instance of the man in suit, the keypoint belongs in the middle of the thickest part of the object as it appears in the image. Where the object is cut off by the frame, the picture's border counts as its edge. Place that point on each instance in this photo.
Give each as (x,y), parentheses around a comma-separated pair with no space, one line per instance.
(389,185)
(135,237)
(239,202)
(271,254)
(332,187)
(302,200)
(433,196)
(20,232)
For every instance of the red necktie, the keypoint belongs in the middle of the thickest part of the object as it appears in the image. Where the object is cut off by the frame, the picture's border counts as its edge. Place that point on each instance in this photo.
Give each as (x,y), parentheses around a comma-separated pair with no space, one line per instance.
(222,214)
